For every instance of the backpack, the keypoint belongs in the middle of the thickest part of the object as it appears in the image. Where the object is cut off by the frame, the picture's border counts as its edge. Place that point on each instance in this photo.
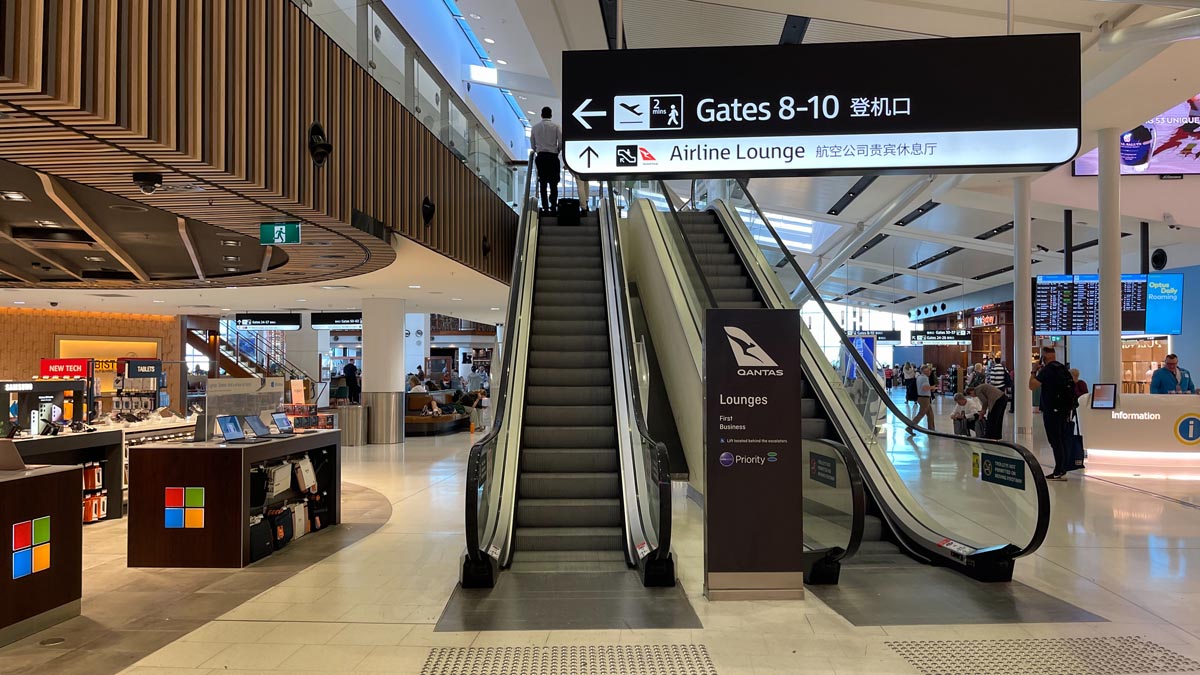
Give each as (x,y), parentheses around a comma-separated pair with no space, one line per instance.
(1060,397)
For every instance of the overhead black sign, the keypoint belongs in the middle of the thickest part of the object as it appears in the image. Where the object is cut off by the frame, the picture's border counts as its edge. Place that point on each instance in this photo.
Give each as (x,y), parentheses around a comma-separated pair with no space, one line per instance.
(947,104)
(754,466)
(336,320)
(888,336)
(268,321)
(941,337)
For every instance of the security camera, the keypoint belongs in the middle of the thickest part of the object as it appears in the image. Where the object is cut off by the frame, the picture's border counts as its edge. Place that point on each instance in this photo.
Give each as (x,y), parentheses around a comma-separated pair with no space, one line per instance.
(148,181)
(319,147)
(53,303)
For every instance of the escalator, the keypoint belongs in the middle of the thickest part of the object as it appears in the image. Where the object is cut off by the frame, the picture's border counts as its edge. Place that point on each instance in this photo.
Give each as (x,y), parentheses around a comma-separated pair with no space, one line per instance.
(568,480)
(927,502)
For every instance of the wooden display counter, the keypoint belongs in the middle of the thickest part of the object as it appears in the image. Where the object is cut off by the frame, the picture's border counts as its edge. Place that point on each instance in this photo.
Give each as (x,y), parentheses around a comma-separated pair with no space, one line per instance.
(43,580)
(216,479)
(70,449)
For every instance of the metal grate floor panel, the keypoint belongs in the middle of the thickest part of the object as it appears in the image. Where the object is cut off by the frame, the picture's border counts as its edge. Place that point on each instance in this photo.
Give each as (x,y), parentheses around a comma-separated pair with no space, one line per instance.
(571,660)
(1122,655)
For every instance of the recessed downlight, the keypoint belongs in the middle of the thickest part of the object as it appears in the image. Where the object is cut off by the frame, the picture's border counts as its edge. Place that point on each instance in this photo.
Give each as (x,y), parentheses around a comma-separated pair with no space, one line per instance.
(490,41)
(128,208)
(46,223)
(414,286)
(230,242)
(301,300)
(158,302)
(456,299)
(93,258)
(475,16)
(495,309)
(13,196)
(231,258)
(502,62)
(233,269)
(333,288)
(18,302)
(226,309)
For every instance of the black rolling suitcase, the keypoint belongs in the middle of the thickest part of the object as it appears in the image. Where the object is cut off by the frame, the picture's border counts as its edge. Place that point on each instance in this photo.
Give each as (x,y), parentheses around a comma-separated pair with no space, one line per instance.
(568,212)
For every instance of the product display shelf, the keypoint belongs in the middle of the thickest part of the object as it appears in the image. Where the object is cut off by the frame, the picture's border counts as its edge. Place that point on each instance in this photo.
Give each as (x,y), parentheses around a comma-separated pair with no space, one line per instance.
(102,450)
(212,527)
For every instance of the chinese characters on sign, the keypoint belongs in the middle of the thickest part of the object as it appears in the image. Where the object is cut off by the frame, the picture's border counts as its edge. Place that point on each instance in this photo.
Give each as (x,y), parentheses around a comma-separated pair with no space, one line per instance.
(876,150)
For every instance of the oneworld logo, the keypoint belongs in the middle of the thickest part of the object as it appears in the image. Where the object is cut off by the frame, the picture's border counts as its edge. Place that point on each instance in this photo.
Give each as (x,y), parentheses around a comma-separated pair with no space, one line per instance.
(751,358)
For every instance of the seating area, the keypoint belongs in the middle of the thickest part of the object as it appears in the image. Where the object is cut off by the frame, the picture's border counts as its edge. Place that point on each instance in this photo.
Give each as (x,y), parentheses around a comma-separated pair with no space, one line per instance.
(416,424)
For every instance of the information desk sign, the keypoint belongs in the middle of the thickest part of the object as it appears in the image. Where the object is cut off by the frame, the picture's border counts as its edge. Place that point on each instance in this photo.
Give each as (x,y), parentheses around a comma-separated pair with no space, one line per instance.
(997,103)
(754,467)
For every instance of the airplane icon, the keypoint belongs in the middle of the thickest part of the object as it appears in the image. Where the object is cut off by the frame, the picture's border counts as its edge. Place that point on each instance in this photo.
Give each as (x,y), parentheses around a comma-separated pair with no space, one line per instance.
(632,108)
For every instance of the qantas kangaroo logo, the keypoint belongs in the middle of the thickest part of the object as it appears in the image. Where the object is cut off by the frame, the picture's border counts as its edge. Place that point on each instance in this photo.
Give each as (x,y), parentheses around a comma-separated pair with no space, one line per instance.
(746,351)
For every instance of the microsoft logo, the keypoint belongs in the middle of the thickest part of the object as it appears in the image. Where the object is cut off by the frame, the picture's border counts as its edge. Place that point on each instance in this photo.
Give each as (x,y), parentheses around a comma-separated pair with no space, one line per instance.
(185,508)
(31,547)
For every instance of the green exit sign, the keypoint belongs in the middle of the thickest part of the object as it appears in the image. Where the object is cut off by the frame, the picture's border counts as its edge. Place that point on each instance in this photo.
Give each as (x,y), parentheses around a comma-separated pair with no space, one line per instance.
(277,234)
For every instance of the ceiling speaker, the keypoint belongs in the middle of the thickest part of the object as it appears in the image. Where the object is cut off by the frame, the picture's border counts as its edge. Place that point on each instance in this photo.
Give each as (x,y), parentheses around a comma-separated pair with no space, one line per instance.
(1158,259)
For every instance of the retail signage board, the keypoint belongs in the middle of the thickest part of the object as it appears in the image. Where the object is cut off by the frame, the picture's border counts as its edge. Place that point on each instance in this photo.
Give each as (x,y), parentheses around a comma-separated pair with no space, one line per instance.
(336,320)
(997,103)
(63,368)
(941,337)
(754,466)
(140,368)
(267,321)
(278,234)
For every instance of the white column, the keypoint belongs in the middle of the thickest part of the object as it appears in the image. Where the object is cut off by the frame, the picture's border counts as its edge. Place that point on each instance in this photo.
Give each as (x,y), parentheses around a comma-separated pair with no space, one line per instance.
(304,348)
(1022,306)
(383,345)
(1110,256)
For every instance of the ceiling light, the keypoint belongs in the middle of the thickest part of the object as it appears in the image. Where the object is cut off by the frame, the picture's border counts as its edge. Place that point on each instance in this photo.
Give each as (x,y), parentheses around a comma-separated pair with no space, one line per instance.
(475,16)
(18,302)
(231,288)
(13,196)
(495,309)
(502,62)
(490,41)
(231,258)
(159,302)
(226,309)
(46,223)
(415,286)
(456,299)
(301,300)
(93,258)
(230,242)
(523,98)
(233,269)
(333,288)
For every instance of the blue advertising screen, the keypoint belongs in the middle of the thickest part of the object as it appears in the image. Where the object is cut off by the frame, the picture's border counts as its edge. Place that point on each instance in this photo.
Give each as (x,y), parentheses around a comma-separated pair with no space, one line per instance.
(1151,304)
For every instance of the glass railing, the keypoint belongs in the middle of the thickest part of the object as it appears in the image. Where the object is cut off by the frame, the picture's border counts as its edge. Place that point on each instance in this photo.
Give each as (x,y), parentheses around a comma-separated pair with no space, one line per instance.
(492,462)
(976,495)
(645,466)
(835,507)
(371,34)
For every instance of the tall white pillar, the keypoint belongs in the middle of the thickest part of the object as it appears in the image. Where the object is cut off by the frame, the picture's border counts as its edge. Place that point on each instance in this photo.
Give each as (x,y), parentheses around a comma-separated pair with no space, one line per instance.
(1110,256)
(305,348)
(1022,305)
(383,345)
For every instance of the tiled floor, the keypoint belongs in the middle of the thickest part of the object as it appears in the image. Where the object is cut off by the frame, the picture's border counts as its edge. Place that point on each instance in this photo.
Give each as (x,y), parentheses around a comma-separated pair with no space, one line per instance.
(1119,553)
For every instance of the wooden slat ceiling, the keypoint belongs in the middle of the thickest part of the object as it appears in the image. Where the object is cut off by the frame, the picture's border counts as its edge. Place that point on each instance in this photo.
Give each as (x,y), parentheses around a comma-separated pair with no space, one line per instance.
(221,94)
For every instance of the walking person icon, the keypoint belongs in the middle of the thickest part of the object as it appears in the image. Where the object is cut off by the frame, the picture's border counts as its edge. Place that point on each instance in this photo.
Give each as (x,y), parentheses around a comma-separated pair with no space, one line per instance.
(673,117)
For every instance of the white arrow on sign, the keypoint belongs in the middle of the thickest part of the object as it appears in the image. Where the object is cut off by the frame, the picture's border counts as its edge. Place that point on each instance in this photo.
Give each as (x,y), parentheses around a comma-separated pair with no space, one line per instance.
(580,113)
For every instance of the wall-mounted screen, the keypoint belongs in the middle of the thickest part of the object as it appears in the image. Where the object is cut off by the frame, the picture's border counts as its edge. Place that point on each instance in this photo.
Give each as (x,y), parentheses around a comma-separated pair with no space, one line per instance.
(1151,304)
(1167,144)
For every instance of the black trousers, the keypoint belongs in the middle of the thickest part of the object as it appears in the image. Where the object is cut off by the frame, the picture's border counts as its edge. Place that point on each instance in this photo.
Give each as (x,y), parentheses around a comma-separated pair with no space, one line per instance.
(995,419)
(355,394)
(548,170)
(1058,433)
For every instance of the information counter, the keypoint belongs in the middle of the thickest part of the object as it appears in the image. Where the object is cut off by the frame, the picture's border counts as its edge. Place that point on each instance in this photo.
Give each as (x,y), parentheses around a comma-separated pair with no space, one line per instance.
(43,580)
(191,504)
(1144,430)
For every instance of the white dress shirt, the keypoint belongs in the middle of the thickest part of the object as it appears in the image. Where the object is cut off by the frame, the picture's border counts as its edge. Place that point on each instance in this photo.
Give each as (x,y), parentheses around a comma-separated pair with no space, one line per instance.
(546,136)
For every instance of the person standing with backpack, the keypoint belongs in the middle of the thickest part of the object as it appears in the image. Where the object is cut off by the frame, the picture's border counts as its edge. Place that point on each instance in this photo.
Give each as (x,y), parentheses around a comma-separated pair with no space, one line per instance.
(1058,403)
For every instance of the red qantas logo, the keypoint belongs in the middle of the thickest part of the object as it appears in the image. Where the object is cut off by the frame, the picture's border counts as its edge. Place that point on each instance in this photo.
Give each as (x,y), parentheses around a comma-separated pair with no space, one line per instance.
(646,156)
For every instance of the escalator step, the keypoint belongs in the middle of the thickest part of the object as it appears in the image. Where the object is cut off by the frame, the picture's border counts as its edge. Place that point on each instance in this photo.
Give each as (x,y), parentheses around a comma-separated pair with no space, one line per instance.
(725,270)
(578,251)
(568,437)
(541,395)
(754,304)
(555,299)
(711,248)
(728,282)
(814,428)
(724,295)
(544,262)
(872,528)
(569,561)
(570,274)
(569,539)
(564,313)
(808,407)
(589,328)
(565,359)
(569,416)
(569,513)
(706,259)
(707,238)
(569,377)
(698,217)
(569,460)
(568,343)
(569,485)
(703,228)
(568,286)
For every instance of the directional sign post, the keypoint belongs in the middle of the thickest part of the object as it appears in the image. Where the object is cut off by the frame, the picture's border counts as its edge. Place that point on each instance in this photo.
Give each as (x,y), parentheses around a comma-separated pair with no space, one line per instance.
(279,234)
(1006,103)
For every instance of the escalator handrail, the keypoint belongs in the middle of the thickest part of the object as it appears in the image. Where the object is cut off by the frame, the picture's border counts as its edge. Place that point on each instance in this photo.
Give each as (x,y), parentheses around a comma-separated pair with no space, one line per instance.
(475,457)
(1040,486)
(661,469)
(858,497)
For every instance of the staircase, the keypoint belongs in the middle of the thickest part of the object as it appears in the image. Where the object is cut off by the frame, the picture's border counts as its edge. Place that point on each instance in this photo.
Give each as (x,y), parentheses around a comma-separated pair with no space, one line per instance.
(265,360)
(569,515)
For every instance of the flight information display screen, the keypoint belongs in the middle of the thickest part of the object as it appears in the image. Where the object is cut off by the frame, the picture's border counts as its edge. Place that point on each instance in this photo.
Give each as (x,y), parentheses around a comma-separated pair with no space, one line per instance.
(1065,304)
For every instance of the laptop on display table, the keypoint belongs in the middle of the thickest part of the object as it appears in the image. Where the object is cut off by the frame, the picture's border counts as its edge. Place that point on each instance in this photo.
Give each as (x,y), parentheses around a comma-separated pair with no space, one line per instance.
(285,425)
(231,429)
(260,429)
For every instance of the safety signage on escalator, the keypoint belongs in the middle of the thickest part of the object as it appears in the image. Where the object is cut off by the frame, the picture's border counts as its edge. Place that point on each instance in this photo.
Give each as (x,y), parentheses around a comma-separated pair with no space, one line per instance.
(982,103)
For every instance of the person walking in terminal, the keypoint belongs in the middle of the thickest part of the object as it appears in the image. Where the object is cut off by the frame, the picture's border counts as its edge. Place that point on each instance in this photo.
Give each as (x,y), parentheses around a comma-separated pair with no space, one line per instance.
(1057,404)
(993,402)
(924,399)
(546,138)
(1171,379)
(910,384)
(352,383)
